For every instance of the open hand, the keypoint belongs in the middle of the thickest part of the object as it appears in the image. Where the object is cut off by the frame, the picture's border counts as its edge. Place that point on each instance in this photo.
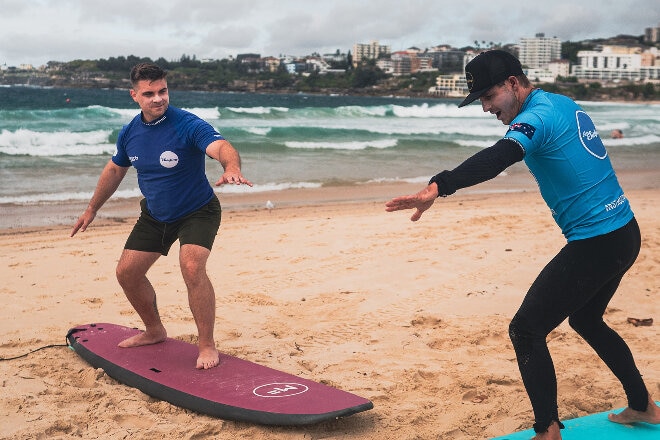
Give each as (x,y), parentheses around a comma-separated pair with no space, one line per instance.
(421,201)
(234,178)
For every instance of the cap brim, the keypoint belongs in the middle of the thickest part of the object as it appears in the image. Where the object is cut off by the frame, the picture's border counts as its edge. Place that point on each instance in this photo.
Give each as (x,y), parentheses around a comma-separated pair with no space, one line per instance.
(472,97)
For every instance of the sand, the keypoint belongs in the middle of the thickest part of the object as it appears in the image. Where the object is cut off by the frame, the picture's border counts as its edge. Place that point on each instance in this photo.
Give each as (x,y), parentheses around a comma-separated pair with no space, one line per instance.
(327,286)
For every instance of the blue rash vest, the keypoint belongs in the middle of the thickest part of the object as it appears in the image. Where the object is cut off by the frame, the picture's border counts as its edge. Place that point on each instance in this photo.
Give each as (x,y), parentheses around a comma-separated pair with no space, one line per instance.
(169,155)
(566,156)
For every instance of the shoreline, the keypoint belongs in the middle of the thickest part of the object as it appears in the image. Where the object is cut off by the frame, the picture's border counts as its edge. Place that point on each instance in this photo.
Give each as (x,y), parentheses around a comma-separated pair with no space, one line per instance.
(19,218)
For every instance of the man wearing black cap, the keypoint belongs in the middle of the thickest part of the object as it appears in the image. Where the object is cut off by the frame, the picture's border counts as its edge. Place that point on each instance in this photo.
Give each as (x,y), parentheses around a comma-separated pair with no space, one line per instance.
(561,147)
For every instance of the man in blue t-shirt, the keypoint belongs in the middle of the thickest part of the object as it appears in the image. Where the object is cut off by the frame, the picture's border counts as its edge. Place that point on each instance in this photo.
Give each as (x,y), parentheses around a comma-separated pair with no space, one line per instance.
(168,147)
(561,147)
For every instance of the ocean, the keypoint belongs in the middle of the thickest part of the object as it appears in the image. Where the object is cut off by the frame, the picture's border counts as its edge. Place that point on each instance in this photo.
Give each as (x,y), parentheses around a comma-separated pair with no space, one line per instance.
(55,141)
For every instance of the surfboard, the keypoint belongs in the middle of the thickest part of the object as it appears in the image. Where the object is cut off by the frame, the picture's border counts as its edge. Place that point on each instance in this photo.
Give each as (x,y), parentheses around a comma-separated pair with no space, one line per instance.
(596,426)
(235,390)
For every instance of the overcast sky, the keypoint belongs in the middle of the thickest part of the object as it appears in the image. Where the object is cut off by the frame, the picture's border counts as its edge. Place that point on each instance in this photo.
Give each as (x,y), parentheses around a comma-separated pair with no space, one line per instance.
(38,31)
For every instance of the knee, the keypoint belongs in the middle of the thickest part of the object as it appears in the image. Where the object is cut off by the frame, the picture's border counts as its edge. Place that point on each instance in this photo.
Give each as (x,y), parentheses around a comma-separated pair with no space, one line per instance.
(515,330)
(127,274)
(192,261)
(522,333)
(123,275)
(192,270)
(190,266)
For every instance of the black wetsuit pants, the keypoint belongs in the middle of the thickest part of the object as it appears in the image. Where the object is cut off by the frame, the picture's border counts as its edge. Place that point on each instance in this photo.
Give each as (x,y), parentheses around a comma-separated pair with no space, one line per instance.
(577,284)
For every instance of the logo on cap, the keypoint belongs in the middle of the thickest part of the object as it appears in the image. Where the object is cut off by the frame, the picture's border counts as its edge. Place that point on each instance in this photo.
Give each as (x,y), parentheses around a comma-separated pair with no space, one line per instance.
(470,80)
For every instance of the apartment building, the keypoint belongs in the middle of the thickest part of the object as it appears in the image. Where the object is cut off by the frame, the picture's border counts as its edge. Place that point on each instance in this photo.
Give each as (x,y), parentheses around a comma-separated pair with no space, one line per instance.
(408,62)
(447,58)
(537,52)
(371,51)
(652,35)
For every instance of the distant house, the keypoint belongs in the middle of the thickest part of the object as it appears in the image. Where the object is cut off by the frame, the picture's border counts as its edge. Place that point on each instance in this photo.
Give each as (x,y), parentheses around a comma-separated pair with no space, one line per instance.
(272,64)
(247,58)
(450,86)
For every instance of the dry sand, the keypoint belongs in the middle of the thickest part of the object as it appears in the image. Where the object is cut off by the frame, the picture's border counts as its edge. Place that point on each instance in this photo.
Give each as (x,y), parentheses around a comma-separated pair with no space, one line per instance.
(328,286)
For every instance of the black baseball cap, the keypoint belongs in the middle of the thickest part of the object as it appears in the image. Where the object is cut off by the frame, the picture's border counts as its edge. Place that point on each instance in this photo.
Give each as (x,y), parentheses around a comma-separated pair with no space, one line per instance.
(488,69)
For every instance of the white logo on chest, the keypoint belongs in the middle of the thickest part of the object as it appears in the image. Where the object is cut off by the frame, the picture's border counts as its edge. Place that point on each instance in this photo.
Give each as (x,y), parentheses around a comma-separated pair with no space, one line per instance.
(169,159)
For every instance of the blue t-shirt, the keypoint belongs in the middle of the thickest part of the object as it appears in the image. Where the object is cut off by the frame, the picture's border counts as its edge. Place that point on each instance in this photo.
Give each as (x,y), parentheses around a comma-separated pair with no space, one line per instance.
(169,156)
(570,164)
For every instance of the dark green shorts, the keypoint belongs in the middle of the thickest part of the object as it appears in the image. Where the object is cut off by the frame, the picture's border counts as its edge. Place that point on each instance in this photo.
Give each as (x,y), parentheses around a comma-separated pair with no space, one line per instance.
(199,227)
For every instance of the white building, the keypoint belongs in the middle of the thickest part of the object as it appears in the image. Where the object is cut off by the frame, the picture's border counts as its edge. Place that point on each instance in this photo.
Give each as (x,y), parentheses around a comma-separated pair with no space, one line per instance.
(613,63)
(560,68)
(549,73)
(539,51)
(450,86)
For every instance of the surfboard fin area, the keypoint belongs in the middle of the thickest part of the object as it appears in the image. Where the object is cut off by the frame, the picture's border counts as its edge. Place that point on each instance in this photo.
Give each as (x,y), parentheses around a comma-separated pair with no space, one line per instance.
(236,390)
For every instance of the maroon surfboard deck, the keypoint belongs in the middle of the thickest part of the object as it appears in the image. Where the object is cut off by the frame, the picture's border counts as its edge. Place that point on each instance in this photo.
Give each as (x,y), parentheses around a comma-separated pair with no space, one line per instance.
(235,390)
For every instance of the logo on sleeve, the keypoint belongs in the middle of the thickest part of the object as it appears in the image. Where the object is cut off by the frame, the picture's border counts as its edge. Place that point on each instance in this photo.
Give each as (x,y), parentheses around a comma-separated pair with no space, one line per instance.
(589,137)
(169,159)
(523,128)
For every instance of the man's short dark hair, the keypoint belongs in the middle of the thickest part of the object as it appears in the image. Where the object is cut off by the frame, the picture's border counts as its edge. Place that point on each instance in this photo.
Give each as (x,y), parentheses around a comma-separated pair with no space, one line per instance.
(146,71)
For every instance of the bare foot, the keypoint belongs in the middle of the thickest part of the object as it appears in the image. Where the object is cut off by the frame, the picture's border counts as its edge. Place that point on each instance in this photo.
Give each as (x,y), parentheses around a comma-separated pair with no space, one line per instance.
(628,415)
(553,433)
(144,338)
(208,358)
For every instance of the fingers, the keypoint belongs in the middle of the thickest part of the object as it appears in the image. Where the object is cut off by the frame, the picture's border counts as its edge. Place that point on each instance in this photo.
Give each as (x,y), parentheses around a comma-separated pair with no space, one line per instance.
(82,223)
(234,179)
(398,203)
(79,226)
(413,201)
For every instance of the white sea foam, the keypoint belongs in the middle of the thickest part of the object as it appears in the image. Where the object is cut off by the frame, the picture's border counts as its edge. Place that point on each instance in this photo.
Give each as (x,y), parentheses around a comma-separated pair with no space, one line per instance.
(259,110)
(125,113)
(208,114)
(261,131)
(59,143)
(479,143)
(359,111)
(430,111)
(266,187)
(356,145)
(64,196)
(632,141)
